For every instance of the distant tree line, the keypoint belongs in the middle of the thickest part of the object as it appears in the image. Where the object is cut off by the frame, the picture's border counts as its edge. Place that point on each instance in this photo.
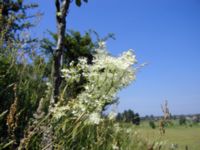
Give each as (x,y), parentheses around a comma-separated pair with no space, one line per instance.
(194,118)
(128,116)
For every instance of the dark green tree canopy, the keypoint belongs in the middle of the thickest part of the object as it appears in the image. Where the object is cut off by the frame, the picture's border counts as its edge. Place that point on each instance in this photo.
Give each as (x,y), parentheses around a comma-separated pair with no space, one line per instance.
(129,116)
(75,46)
(79,2)
(12,12)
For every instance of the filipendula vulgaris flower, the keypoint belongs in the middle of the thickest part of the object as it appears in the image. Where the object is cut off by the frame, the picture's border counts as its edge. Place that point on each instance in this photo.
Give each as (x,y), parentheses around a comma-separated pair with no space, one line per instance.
(105,77)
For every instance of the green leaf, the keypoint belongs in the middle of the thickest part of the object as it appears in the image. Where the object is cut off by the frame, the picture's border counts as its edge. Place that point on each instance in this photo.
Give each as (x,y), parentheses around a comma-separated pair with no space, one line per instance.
(8,144)
(3,114)
(78,3)
(20,2)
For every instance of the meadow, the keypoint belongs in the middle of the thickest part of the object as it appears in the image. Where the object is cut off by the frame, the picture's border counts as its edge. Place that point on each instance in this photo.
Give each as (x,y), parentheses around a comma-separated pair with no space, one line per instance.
(176,136)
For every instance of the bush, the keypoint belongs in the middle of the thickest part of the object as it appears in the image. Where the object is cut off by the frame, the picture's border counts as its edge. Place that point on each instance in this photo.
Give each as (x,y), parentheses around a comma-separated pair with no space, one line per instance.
(152,124)
(182,120)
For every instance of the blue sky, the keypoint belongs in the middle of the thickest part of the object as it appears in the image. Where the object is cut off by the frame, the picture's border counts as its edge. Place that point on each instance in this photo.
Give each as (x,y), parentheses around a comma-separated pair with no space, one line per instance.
(164,33)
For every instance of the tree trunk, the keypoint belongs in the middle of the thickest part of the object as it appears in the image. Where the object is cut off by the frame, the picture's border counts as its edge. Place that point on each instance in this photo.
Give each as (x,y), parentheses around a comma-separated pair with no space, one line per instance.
(62,7)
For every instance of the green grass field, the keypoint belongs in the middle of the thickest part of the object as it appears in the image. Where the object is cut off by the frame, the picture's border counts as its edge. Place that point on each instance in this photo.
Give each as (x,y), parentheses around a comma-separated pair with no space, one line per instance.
(180,135)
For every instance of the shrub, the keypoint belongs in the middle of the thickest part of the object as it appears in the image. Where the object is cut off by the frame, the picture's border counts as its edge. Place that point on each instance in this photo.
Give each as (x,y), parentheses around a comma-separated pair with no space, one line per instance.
(152,124)
(182,120)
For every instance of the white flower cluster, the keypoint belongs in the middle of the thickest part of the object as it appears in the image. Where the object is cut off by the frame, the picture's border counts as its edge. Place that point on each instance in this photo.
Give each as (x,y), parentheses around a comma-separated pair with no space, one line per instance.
(105,77)
(94,118)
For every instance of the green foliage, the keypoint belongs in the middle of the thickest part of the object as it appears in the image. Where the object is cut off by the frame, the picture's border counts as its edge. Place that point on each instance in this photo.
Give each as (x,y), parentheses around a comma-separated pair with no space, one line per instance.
(73,133)
(136,119)
(29,79)
(182,120)
(75,46)
(129,116)
(14,18)
(22,77)
(152,124)
(79,2)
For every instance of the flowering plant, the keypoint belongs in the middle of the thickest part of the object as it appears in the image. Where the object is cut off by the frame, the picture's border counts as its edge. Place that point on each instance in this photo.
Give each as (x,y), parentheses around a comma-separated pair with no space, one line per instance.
(104,78)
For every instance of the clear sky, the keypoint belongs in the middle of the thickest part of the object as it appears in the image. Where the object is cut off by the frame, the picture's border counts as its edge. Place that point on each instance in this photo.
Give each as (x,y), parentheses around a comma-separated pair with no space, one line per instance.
(164,33)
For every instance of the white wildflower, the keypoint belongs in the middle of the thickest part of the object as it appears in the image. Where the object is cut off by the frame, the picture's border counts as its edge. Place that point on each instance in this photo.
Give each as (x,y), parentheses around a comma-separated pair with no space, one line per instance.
(48,84)
(117,127)
(115,147)
(59,112)
(128,130)
(112,115)
(102,44)
(105,77)
(94,118)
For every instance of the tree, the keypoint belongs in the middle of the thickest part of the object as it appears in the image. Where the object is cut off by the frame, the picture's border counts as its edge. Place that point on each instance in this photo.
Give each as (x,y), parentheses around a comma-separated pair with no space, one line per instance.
(136,119)
(182,120)
(14,19)
(129,116)
(62,7)
(76,46)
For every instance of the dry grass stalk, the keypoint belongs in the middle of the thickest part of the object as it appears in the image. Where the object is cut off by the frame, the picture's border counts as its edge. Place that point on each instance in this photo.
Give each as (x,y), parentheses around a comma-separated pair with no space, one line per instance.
(165,119)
